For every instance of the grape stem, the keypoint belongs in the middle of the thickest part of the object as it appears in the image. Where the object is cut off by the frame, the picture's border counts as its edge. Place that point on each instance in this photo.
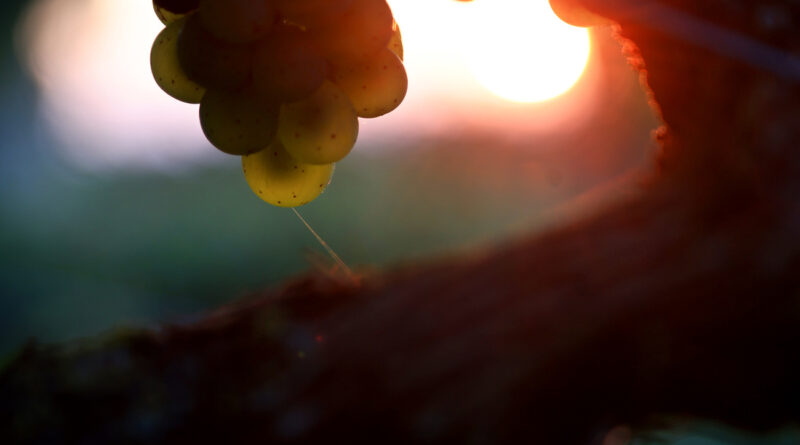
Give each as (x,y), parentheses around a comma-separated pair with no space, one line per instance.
(326,246)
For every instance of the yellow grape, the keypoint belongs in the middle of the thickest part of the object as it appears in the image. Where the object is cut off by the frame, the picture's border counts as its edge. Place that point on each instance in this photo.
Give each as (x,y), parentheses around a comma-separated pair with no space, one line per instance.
(396,42)
(238,123)
(572,13)
(237,21)
(165,16)
(211,62)
(167,70)
(286,66)
(279,179)
(311,13)
(320,129)
(375,86)
(363,29)
(169,11)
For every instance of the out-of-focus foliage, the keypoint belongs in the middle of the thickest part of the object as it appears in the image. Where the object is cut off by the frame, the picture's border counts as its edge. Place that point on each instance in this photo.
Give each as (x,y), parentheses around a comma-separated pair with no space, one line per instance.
(713,434)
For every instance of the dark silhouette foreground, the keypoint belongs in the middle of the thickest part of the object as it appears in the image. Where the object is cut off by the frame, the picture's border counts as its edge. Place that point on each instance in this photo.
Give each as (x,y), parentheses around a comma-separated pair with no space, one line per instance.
(683,302)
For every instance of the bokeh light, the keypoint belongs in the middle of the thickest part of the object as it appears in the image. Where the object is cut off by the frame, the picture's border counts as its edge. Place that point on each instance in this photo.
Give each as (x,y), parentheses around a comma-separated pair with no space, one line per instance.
(90,59)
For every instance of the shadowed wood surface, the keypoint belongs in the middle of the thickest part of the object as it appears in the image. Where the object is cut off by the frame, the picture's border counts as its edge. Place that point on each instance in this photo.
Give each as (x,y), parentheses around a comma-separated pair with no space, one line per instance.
(681,301)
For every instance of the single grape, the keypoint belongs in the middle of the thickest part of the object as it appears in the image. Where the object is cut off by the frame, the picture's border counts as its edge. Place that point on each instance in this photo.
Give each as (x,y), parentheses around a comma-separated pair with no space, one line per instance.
(211,62)
(165,16)
(311,13)
(238,123)
(396,42)
(169,11)
(375,86)
(237,21)
(167,70)
(572,13)
(279,179)
(362,30)
(286,66)
(320,129)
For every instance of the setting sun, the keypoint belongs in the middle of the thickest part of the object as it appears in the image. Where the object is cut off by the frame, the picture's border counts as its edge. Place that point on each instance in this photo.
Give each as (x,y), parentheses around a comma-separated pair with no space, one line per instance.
(468,63)
(522,51)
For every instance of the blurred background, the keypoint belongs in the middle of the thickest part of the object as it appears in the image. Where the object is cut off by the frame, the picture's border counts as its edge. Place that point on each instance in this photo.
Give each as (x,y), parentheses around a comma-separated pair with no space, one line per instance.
(115,211)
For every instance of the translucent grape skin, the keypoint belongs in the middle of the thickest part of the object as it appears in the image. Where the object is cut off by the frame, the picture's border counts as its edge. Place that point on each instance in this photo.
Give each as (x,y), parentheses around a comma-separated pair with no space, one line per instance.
(237,21)
(396,41)
(167,70)
(572,13)
(311,14)
(278,81)
(320,129)
(238,123)
(286,66)
(166,16)
(169,11)
(211,62)
(362,30)
(375,86)
(277,178)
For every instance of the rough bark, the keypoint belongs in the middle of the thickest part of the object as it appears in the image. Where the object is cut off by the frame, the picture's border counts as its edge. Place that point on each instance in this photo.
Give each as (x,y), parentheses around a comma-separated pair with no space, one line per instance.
(683,301)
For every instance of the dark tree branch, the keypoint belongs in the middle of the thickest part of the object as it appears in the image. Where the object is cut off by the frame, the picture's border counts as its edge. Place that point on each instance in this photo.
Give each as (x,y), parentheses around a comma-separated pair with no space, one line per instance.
(684,301)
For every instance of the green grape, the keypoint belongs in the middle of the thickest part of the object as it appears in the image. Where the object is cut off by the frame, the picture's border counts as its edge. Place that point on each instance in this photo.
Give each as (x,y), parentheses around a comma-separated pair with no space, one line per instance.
(238,123)
(311,13)
(169,11)
(396,42)
(572,13)
(362,30)
(210,61)
(167,70)
(286,66)
(320,129)
(375,86)
(237,21)
(279,179)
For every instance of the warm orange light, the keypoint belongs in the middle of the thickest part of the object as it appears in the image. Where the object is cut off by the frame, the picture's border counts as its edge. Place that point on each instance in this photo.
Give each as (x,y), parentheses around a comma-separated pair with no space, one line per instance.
(90,59)
(521,51)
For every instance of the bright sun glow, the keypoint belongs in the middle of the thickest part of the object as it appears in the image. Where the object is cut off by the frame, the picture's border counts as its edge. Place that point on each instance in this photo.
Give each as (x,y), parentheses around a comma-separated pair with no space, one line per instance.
(523,52)
(469,64)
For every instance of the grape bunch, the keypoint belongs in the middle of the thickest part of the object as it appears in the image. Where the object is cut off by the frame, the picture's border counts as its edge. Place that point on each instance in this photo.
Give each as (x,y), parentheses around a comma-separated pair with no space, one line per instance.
(281,83)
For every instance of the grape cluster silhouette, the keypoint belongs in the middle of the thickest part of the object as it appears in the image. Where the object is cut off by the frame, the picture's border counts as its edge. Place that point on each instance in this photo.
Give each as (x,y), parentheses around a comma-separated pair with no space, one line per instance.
(281,83)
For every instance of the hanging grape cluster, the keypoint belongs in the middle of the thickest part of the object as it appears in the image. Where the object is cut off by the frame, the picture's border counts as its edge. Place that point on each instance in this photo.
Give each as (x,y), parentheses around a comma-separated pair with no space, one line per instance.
(281,83)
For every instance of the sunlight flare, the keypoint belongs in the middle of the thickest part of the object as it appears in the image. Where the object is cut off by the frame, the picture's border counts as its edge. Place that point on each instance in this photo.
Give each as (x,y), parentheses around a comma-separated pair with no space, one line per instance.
(482,64)
(522,51)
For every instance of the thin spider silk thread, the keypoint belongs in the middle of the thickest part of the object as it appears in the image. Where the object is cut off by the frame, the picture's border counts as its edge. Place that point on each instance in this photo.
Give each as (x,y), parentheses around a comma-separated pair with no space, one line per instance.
(710,36)
(325,245)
